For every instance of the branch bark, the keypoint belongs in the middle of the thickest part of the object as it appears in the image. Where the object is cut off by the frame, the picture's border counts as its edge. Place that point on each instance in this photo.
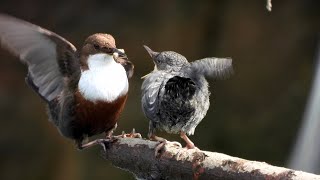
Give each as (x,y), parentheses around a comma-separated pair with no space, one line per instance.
(138,157)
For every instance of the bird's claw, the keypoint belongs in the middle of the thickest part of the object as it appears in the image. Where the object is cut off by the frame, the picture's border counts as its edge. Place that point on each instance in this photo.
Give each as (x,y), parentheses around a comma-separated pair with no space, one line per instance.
(159,147)
(162,144)
(191,147)
(101,142)
(133,134)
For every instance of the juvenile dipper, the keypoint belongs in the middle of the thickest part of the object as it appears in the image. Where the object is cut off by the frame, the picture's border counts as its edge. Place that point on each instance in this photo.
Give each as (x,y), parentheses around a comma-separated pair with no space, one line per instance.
(175,95)
(85,89)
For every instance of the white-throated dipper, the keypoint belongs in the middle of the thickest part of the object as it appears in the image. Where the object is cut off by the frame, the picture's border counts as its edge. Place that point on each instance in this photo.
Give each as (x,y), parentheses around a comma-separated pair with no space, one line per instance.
(85,89)
(175,95)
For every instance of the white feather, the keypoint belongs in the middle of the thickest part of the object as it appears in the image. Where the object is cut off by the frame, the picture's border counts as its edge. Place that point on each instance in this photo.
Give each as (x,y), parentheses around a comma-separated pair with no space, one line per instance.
(105,80)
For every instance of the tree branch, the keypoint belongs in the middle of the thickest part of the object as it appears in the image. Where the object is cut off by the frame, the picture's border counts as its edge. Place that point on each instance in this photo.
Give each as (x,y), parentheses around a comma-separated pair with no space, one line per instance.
(138,157)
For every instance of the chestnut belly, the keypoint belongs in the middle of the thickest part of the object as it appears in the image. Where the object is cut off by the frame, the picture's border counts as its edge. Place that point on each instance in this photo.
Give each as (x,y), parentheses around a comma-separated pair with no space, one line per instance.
(97,117)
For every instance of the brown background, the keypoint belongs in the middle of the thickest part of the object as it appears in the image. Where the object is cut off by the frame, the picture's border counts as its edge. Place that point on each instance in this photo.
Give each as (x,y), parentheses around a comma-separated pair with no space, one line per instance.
(254,115)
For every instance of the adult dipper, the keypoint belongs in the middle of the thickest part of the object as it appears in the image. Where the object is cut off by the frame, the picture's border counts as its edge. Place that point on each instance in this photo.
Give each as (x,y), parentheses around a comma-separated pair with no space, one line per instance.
(175,95)
(85,89)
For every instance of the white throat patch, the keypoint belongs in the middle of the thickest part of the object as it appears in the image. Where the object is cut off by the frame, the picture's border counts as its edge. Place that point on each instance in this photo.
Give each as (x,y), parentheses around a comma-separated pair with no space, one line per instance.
(105,80)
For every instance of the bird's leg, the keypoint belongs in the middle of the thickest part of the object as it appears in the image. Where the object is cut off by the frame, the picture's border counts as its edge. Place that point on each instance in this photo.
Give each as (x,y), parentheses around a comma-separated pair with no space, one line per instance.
(109,138)
(110,132)
(190,144)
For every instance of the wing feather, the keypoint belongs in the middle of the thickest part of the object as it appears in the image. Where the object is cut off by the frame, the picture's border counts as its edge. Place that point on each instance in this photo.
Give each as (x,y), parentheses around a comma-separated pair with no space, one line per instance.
(151,87)
(217,68)
(37,48)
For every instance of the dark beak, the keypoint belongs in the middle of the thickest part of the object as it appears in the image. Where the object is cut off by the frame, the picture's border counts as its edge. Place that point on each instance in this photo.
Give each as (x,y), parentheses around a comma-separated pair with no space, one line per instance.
(120,53)
(151,53)
(122,59)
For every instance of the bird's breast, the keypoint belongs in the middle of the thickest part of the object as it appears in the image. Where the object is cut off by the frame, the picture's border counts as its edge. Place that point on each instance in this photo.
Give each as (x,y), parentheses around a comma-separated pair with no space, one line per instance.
(103,81)
(97,117)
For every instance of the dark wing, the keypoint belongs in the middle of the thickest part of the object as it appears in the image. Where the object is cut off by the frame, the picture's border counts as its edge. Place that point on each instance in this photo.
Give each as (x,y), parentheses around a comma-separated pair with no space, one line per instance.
(176,107)
(180,87)
(217,68)
(38,47)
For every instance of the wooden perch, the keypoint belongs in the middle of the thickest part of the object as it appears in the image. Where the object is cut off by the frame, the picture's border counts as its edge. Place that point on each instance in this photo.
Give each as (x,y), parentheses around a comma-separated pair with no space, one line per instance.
(138,157)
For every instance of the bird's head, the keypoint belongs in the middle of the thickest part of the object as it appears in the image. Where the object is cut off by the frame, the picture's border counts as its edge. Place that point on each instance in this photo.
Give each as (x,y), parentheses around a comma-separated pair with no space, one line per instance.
(167,60)
(101,44)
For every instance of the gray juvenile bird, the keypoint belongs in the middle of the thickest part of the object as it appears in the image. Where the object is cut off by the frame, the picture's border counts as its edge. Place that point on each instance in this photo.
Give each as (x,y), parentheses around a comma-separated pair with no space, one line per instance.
(175,95)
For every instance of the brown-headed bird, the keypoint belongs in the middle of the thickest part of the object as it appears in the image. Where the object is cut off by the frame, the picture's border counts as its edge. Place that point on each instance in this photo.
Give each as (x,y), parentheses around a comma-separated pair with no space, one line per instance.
(85,90)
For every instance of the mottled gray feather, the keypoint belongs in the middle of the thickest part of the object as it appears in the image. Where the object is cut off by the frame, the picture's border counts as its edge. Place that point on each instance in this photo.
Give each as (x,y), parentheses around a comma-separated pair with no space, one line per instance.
(217,68)
(150,92)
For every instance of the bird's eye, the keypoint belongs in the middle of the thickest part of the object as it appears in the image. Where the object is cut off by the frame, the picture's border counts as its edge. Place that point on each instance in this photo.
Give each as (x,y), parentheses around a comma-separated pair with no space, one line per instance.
(96,46)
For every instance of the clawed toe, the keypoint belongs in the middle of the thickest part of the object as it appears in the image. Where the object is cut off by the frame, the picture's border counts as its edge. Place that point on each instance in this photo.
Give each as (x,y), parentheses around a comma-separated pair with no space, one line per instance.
(191,147)
(159,148)
(101,142)
(133,134)
(175,143)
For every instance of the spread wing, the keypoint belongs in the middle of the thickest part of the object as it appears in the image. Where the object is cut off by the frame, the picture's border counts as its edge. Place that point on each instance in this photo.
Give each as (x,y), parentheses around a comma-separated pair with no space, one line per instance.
(151,88)
(217,68)
(37,48)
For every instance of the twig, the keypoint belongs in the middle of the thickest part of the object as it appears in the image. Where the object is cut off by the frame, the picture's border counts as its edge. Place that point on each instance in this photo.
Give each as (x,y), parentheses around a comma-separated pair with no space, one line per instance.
(138,157)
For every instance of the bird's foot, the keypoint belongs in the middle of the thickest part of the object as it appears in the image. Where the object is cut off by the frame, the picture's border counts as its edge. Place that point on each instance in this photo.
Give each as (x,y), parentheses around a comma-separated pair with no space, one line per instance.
(160,148)
(191,146)
(187,147)
(162,143)
(133,134)
(102,142)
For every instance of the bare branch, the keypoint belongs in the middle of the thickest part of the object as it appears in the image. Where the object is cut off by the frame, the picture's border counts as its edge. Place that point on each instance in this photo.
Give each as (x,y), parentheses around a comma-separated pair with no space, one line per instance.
(138,157)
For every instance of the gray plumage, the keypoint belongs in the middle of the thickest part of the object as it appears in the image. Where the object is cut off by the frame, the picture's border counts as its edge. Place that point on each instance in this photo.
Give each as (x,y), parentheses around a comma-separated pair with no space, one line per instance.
(175,95)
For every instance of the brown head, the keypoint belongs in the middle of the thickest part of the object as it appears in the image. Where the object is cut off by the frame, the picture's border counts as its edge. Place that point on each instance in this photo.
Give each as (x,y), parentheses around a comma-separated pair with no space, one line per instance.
(99,43)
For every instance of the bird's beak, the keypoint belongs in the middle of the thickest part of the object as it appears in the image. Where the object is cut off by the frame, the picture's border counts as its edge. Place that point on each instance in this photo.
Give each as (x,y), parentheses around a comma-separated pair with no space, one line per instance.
(151,53)
(145,76)
(119,53)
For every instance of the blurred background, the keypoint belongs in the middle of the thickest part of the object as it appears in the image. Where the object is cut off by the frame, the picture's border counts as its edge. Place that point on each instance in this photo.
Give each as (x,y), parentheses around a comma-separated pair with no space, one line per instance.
(256,114)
